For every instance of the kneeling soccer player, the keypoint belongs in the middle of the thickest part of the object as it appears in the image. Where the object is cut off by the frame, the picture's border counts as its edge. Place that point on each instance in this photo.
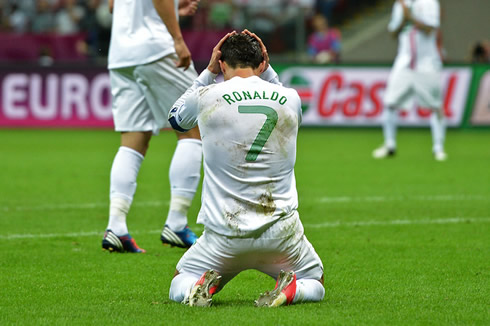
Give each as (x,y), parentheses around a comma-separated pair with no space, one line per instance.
(249,125)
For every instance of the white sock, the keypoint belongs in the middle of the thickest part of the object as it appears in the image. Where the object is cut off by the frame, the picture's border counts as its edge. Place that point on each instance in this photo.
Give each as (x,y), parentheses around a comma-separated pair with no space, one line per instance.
(181,286)
(184,175)
(438,129)
(389,127)
(177,214)
(124,172)
(308,290)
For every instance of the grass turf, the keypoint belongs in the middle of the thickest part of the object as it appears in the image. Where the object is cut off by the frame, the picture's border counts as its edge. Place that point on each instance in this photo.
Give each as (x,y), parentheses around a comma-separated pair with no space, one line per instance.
(403,241)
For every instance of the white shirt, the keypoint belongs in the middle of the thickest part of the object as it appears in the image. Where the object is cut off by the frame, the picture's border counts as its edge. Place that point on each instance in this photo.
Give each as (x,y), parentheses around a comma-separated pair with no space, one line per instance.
(138,34)
(417,50)
(246,189)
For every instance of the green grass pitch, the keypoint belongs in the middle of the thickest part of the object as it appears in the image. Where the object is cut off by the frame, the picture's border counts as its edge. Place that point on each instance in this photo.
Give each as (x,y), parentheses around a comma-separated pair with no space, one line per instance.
(404,241)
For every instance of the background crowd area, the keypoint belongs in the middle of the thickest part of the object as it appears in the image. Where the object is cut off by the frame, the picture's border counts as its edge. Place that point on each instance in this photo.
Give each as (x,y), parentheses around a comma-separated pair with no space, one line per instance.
(80,30)
(48,31)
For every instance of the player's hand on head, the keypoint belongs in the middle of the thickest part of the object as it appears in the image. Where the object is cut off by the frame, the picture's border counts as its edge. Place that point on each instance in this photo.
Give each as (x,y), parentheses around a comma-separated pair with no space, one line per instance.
(183,53)
(262,46)
(213,65)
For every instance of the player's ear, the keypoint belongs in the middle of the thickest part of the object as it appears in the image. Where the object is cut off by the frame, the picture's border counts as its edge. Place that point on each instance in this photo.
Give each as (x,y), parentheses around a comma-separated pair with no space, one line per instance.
(262,66)
(222,66)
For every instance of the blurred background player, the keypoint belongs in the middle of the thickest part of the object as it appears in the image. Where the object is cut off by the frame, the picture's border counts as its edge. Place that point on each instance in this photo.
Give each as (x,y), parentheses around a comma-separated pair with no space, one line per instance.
(416,71)
(249,201)
(150,67)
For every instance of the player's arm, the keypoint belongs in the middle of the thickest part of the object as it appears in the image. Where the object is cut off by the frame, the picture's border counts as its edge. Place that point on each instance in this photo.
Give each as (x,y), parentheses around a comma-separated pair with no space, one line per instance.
(421,25)
(183,115)
(166,10)
(297,104)
(398,20)
(270,75)
(111,6)
(398,30)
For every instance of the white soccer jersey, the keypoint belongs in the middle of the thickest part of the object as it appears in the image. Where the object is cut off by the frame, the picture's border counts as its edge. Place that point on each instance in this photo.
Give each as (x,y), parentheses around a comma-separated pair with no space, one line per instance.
(138,34)
(248,128)
(417,50)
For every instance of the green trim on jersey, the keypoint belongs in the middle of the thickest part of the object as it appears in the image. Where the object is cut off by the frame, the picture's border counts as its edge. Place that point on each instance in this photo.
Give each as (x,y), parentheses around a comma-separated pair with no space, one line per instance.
(264,132)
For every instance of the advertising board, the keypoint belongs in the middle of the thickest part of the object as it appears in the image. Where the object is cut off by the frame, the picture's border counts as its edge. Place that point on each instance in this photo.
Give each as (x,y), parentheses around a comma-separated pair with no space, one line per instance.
(55,97)
(331,96)
(354,96)
(481,109)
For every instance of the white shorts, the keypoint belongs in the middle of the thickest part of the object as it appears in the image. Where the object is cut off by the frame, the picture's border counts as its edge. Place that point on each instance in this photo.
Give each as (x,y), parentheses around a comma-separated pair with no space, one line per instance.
(267,253)
(404,84)
(143,95)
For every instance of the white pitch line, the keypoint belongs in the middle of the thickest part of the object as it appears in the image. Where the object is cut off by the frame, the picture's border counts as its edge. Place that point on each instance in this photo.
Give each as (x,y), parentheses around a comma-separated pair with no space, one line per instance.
(334,224)
(328,199)
(451,220)
(345,199)
(65,235)
(52,207)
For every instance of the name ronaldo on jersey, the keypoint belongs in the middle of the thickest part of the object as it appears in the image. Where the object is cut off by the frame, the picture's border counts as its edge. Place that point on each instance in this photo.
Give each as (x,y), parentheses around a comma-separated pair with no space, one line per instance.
(246,95)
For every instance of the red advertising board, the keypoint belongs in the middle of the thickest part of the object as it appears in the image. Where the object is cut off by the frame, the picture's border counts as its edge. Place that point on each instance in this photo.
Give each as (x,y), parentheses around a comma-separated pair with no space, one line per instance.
(354,96)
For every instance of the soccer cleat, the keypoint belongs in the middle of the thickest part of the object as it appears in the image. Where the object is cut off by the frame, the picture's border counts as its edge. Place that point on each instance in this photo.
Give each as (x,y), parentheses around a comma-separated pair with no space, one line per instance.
(383,152)
(183,239)
(440,156)
(202,293)
(283,293)
(123,243)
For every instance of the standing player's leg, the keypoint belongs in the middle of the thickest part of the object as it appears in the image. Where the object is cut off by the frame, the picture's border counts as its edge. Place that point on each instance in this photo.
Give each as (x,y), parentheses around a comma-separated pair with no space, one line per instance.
(184,176)
(163,84)
(397,92)
(438,129)
(428,89)
(389,125)
(131,114)
(124,172)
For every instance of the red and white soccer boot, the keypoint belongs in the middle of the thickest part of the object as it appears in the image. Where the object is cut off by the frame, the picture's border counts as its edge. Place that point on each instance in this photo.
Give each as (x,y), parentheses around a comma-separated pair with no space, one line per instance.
(283,294)
(202,292)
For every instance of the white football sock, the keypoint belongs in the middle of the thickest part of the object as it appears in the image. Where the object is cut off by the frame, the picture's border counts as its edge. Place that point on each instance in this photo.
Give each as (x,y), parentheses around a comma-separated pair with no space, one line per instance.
(181,286)
(389,127)
(184,175)
(177,214)
(438,129)
(308,290)
(124,172)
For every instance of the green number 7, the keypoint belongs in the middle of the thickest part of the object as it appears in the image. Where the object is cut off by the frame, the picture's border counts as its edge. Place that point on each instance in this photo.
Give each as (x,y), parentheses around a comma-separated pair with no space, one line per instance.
(264,132)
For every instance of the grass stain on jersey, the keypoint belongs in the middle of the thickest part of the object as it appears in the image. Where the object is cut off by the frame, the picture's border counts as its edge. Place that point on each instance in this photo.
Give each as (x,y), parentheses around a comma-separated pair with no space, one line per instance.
(232,219)
(206,114)
(266,206)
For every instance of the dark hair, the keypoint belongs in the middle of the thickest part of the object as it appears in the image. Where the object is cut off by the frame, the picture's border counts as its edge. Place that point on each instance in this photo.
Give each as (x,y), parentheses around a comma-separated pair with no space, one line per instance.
(241,51)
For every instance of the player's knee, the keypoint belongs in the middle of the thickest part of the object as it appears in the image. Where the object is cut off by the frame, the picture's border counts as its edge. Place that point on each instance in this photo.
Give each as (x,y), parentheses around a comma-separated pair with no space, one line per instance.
(175,294)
